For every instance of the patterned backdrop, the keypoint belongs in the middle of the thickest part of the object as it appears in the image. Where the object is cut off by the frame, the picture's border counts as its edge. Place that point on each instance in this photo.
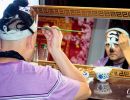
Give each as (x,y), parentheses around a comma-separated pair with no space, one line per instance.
(75,44)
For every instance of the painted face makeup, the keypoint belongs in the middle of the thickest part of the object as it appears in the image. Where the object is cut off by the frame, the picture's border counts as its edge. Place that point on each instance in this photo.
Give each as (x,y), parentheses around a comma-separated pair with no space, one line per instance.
(112,38)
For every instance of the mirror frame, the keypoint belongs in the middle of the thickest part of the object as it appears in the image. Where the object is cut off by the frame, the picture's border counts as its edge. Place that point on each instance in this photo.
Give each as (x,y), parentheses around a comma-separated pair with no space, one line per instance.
(96,12)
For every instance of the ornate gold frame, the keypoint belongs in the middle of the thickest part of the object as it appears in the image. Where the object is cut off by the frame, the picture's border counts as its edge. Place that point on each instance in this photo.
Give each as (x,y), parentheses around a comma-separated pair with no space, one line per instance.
(112,13)
(115,73)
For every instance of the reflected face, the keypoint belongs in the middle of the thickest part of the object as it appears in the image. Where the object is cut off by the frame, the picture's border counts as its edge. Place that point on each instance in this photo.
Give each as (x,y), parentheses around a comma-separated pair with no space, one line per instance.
(112,48)
(114,53)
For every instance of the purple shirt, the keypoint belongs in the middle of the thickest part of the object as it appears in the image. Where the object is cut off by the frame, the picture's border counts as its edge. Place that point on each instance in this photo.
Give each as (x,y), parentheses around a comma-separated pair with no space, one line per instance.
(101,62)
(23,81)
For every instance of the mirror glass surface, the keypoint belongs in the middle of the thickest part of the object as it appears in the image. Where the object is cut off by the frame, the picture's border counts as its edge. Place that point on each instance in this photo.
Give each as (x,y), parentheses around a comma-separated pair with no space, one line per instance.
(87,46)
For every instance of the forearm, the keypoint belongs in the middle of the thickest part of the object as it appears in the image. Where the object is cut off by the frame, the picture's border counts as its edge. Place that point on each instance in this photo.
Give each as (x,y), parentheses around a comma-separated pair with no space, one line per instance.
(126,53)
(66,67)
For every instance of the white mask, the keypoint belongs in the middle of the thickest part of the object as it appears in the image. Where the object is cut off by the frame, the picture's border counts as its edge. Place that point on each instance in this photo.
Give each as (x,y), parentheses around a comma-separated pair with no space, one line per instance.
(113,36)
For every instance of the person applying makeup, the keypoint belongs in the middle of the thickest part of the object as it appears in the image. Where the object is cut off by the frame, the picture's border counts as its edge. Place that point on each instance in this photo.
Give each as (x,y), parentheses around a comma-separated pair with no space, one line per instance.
(117,49)
(22,80)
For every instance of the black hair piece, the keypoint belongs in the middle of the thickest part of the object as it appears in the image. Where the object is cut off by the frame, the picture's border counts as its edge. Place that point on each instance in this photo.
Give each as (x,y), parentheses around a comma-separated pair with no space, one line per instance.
(25,17)
(22,3)
(11,54)
(12,10)
(109,63)
(125,64)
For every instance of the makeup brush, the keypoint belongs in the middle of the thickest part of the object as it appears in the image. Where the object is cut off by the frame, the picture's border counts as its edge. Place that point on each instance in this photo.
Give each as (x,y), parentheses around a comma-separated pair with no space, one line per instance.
(60,29)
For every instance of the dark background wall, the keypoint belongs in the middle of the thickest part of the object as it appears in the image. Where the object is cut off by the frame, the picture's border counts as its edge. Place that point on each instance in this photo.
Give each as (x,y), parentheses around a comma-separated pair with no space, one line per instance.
(91,3)
(124,24)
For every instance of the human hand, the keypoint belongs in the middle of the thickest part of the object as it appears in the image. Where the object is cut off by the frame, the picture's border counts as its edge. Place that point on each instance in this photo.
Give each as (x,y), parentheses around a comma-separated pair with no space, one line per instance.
(53,37)
(124,41)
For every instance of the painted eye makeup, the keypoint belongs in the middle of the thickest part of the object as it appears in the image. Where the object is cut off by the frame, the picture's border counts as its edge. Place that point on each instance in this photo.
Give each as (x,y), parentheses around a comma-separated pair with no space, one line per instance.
(107,44)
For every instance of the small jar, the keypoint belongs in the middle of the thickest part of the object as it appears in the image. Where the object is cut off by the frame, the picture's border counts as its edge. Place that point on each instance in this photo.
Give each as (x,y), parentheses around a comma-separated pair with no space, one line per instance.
(43,52)
(35,55)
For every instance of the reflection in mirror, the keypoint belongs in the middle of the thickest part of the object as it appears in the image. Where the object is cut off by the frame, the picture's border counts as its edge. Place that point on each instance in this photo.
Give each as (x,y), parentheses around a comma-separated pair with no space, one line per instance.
(116,56)
(84,47)
(98,42)
(102,88)
(75,44)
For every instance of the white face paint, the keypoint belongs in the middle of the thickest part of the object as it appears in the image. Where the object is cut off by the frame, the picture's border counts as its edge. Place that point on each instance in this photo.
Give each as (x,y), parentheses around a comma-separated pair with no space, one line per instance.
(112,38)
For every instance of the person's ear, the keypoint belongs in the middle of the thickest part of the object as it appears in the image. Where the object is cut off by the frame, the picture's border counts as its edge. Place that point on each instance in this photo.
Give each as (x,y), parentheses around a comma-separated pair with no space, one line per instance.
(31,40)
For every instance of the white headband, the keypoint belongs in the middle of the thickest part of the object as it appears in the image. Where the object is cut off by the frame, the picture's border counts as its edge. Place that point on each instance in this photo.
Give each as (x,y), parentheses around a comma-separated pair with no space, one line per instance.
(118,29)
(17,34)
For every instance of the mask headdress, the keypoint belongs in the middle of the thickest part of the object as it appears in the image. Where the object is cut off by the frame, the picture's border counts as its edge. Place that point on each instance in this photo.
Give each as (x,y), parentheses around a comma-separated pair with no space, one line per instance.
(17,22)
(113,36)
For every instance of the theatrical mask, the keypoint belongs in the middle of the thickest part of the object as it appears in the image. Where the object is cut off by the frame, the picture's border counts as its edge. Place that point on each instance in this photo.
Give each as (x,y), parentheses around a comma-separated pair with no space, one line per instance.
(113,36)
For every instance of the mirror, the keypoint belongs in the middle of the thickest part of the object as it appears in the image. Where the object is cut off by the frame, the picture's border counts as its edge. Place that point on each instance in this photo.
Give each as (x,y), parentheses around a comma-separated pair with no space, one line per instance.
(92,21)
(112,13)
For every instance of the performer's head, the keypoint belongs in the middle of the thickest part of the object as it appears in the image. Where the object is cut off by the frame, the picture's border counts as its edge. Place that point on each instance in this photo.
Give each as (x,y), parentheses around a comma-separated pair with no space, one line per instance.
(112,47)
(18,28)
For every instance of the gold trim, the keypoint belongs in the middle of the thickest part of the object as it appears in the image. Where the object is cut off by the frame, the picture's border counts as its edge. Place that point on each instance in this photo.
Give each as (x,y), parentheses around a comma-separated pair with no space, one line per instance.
(115,73)
(112,13)
(53,64)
